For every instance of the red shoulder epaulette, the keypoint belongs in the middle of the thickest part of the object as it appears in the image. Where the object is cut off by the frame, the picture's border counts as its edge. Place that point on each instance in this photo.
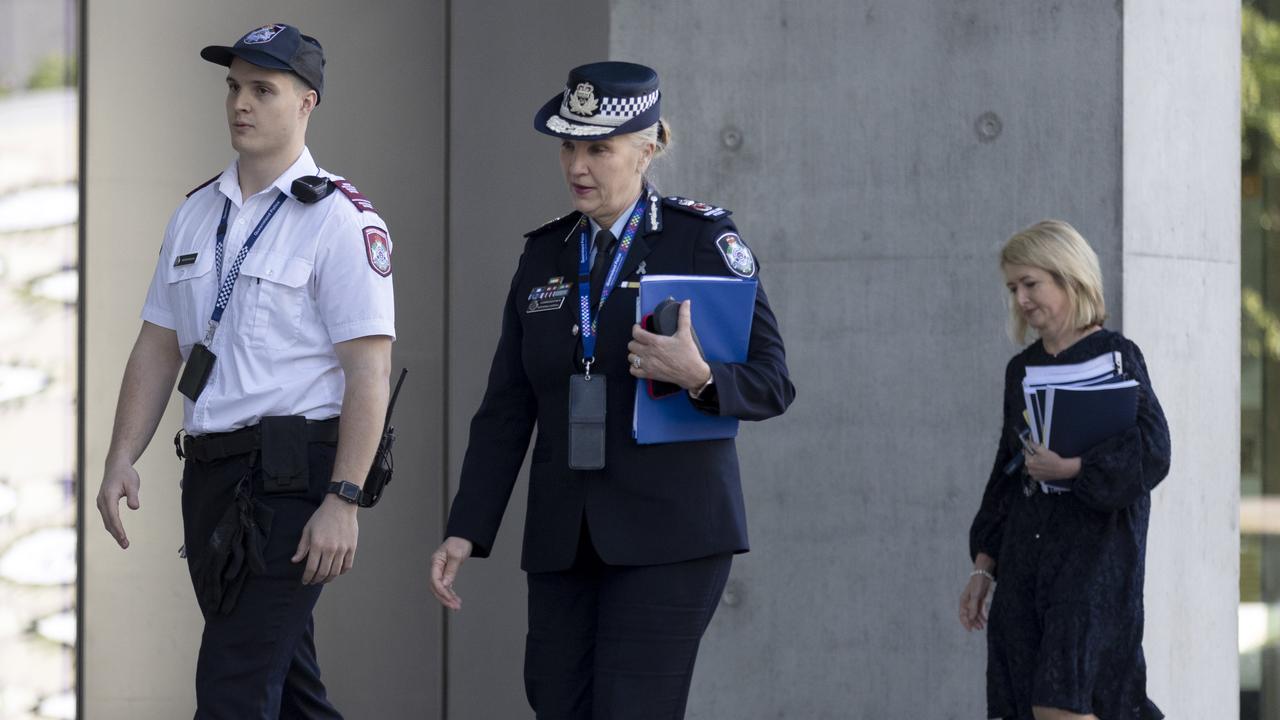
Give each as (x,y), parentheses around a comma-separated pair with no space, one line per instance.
(361,202)
(202,185)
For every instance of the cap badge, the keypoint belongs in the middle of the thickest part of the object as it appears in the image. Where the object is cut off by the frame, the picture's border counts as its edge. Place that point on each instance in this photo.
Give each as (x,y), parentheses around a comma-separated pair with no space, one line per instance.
(582,101)
(264,34)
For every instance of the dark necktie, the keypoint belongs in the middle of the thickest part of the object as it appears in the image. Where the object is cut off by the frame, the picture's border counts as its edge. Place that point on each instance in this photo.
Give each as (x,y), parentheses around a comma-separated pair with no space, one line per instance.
(605,242)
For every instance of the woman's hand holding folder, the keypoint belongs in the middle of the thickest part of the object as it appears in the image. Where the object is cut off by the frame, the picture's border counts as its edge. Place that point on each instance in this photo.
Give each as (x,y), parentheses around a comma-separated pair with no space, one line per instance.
(670,358)
(1045,465)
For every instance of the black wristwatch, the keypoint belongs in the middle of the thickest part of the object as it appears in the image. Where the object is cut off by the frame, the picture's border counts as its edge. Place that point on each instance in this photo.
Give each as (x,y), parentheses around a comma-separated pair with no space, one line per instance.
(348,491)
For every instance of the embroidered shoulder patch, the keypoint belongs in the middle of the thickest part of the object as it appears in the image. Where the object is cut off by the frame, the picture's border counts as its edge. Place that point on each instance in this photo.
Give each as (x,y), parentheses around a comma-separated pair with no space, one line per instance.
(552,223)
(710,212)
(378,250)
(203,185)
(361,202)
(736,255)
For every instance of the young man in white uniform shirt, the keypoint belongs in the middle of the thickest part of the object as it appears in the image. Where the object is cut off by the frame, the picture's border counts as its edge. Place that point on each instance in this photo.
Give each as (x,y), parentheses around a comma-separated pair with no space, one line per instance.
(306,322)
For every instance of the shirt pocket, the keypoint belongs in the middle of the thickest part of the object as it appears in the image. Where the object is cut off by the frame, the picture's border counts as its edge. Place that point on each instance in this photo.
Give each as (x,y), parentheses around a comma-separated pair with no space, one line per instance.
(279,295)
(191,294)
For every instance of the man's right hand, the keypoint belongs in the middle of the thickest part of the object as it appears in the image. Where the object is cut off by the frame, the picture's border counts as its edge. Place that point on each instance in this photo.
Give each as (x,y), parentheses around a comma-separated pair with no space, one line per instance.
(445,562)
(119,480)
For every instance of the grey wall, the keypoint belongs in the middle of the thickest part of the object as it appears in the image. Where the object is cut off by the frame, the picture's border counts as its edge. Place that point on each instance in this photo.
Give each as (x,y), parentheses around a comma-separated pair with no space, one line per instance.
(156,129)
(504,181)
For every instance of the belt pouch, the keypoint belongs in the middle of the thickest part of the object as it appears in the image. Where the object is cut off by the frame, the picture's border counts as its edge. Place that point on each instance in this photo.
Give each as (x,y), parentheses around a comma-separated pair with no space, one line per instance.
(284,454)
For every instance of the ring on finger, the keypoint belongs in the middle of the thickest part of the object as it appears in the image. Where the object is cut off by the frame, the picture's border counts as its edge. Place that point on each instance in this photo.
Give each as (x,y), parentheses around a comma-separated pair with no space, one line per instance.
(635,361)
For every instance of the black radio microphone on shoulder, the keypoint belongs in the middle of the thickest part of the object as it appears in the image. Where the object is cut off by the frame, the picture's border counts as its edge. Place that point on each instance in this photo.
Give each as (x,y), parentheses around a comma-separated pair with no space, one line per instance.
(311,188)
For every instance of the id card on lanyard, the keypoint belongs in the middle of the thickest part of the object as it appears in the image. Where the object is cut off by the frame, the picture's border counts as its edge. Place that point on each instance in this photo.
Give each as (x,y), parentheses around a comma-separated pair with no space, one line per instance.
(200,362)
(587,401)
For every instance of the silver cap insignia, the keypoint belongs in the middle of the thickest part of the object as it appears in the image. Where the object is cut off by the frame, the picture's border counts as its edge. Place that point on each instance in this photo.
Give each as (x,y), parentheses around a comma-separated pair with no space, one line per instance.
(582,101)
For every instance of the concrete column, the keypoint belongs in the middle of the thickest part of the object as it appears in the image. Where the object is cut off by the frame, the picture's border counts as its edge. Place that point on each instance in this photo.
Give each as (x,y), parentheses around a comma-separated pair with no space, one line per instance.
(156,128)
(1181,135)
(876,156)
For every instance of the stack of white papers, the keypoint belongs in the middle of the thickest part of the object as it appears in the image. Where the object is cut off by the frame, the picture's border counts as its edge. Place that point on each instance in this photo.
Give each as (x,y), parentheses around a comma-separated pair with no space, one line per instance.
(1072,390)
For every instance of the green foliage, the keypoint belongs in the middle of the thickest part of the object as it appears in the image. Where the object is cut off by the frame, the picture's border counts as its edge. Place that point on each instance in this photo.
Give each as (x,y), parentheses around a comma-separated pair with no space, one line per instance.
(1260,328)
(54,71)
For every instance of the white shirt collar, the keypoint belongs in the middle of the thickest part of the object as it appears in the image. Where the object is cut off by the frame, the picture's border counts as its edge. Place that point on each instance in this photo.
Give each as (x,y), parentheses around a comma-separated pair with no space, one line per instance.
(229,181)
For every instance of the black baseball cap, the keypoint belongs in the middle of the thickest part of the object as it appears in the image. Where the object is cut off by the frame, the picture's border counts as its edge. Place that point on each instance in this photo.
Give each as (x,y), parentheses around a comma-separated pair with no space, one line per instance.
(277,47)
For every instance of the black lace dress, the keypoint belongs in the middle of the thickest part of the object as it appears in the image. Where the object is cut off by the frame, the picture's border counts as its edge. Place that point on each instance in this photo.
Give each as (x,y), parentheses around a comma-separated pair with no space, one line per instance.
(1065,628)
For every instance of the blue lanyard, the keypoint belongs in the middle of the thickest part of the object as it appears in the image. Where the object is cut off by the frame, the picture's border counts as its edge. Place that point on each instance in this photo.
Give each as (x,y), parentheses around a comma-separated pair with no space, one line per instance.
(589,319)
(229,282)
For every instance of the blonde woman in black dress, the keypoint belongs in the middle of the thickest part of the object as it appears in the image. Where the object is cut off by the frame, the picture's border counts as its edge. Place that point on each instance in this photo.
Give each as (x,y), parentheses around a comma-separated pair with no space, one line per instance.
(1064,637)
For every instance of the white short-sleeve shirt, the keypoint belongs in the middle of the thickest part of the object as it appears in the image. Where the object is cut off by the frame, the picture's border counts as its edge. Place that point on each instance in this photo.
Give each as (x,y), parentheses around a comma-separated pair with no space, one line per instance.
(319,274)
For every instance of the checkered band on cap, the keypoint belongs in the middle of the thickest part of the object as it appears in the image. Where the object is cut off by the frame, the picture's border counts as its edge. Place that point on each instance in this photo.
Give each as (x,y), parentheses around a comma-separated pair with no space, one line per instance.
(612,111)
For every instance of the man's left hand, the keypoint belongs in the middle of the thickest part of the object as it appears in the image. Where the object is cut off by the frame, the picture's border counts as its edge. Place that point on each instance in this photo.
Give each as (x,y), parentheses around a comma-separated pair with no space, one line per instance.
(328,541)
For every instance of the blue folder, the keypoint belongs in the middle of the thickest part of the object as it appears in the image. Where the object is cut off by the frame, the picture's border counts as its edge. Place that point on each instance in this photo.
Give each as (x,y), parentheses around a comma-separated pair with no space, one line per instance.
(1081,417)
(722,310)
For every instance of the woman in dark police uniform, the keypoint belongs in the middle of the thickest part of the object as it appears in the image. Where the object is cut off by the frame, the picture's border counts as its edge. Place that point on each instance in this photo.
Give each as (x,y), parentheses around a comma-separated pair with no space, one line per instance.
(625,563)
(1065,635)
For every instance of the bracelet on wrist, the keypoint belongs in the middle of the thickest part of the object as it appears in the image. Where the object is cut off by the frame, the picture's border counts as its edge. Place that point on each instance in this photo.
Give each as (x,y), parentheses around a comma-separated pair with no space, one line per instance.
(984,573)
(696,393)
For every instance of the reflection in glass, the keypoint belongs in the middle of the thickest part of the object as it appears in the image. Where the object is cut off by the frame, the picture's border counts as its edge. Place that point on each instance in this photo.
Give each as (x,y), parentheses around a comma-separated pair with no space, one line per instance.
(59,628)
(62,286)
(39,260)
(18,382)
(58,707)
(45,557)
(39,208)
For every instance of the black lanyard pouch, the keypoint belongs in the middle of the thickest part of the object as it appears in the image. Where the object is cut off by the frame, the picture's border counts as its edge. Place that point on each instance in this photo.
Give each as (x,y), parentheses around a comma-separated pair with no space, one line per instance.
(586,422)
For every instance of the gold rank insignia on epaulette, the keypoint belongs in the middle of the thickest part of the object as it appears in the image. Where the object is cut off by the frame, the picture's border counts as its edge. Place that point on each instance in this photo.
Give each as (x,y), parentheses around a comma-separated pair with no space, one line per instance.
(710,212)
(573,216)
(203,185)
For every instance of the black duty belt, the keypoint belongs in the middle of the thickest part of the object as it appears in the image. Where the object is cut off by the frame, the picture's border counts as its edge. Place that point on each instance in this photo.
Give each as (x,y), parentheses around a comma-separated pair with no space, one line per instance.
(216,446)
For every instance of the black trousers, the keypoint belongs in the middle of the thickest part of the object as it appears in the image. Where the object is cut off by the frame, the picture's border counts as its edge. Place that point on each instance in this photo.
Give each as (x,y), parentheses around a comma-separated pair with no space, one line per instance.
(259,661)
(618,642)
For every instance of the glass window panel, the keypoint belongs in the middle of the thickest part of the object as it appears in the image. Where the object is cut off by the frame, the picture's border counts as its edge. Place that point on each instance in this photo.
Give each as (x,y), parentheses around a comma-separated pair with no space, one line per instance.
(39,259)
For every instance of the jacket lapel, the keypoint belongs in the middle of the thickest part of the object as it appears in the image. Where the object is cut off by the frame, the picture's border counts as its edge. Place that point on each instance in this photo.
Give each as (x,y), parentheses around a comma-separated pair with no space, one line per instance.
(639,250)
(568,261)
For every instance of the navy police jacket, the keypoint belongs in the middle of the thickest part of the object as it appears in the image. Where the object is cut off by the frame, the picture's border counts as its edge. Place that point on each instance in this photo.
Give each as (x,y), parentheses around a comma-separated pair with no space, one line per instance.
(651,504)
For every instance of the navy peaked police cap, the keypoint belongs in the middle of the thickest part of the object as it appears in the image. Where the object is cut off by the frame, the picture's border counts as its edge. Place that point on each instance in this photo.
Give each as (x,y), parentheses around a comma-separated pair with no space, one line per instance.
(277,47)
(601,100)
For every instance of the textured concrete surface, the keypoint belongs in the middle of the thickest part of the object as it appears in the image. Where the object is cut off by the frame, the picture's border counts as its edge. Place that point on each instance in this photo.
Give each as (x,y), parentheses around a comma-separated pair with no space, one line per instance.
(1182,304)
(505,180)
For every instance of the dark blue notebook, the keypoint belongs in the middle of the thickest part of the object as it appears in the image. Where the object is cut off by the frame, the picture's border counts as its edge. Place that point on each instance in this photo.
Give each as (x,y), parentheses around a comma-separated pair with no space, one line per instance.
(722,310)
(1077,418)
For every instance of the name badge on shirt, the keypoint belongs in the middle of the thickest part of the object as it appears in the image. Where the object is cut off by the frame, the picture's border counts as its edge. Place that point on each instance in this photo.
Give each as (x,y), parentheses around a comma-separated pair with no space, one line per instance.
(548,297)
(188,259)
